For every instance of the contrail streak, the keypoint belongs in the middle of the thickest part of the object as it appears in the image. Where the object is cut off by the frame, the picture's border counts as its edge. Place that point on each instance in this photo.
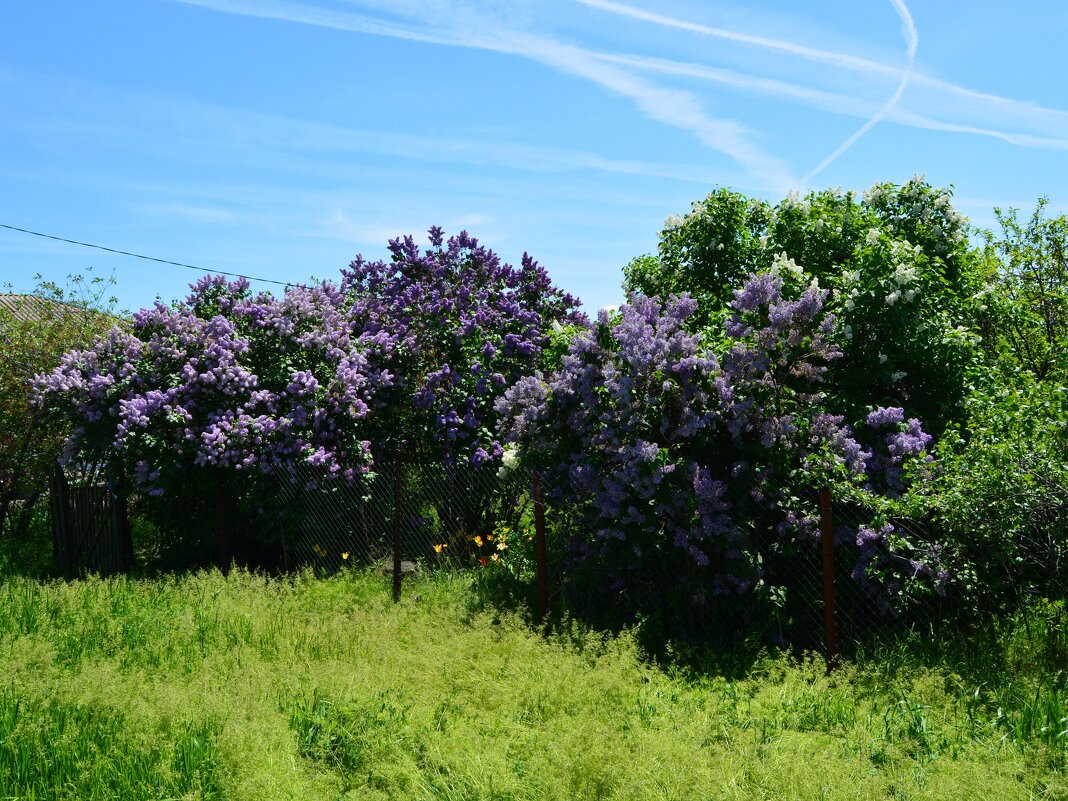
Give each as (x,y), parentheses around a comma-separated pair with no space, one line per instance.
(912,41)
(767,43)
(1008,106)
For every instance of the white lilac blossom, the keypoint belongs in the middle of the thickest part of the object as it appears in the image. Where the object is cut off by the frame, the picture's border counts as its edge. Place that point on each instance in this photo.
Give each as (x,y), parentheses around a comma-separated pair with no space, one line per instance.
(903,239)
(903,274)
(784,264)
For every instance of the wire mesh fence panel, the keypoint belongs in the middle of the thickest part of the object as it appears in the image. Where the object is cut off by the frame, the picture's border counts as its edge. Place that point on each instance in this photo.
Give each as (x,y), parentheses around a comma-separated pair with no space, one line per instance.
(759,577)
(786,538)
(768,581)
(330,520)
(882,589)
(444,515)
(783,573)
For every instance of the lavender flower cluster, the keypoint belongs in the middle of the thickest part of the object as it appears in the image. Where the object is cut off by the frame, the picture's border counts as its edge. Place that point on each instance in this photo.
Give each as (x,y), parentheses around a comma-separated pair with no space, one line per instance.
(666,450)
(224,379)
(417,348)
(462,327)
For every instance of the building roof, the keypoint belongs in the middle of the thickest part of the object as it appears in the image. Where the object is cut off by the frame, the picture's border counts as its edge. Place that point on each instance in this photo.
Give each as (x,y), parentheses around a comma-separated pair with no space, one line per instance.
(31,308)
(25,307)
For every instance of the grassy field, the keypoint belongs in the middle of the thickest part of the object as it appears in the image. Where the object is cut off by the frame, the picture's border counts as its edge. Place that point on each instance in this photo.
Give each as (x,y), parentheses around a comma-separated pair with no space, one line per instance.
(243,687)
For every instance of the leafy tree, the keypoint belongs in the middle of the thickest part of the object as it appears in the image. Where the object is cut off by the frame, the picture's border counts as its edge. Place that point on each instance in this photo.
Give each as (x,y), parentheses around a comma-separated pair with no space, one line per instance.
(35,331)
(1000,495)
(905,284)
(1001,491)
(1033,296)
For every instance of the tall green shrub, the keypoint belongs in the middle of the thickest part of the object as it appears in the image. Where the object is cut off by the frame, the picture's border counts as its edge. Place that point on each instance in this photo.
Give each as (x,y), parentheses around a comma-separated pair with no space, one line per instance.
(906,285)
(35,331)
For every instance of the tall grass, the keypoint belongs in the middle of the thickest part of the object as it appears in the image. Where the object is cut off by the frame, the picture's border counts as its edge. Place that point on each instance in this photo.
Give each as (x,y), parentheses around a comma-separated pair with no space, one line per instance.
(244,687)
(62,750)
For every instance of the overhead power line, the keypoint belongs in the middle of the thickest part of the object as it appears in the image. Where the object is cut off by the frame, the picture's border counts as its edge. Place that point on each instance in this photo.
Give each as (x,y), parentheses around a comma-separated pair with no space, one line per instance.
(142,256)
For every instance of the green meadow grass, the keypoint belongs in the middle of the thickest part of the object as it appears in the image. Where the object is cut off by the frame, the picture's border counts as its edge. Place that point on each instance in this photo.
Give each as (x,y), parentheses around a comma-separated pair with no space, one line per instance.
(244,687)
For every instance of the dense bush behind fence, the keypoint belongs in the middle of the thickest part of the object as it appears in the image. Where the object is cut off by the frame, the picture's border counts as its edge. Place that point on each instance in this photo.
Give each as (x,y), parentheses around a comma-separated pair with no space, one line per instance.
(431,516)
(426,516)
(436,510)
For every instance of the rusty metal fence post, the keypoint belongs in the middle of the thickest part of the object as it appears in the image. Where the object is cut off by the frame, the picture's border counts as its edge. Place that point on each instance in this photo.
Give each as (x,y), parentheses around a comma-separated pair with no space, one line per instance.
(830,604)
(539,545)
(398,510)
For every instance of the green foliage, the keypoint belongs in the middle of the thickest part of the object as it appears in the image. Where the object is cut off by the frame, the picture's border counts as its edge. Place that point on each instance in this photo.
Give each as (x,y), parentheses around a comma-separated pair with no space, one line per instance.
(55,750)
(30,552)
(1000,494)
(243,687)
(906,285)
(1000,491)
(1033,291)
(35,331)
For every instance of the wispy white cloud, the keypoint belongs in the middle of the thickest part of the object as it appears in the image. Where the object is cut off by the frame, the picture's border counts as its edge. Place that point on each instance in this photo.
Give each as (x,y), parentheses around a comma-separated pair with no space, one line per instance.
(674,107)
(762,42)
(933,104)
(1046,126)
(320,17)
(1017,138)
(150,122)
(843,104)
(771,87)
(199,213)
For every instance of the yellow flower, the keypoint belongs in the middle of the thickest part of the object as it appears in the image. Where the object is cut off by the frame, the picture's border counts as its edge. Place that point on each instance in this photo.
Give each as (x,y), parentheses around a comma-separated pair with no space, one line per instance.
(438,547)
(496,557)
(502,546)
(345,555)
(478,540)
(489,538)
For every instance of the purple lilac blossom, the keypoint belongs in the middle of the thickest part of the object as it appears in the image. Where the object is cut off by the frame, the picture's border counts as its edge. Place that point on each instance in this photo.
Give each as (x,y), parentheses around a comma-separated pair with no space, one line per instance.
(230,379)
(650,436)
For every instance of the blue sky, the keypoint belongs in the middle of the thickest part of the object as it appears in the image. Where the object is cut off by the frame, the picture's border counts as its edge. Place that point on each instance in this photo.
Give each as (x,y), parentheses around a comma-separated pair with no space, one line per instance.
(279,138)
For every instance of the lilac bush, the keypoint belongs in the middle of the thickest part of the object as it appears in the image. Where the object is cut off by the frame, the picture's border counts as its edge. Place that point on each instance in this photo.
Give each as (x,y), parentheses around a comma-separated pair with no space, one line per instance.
(417,348)
(685,466)
(462,326)
(406,354)
(225,379)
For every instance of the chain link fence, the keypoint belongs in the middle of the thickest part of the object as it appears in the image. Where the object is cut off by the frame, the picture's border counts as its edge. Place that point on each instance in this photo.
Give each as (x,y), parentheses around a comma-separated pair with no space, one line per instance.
(425,513)
(826,572)
(414,515)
